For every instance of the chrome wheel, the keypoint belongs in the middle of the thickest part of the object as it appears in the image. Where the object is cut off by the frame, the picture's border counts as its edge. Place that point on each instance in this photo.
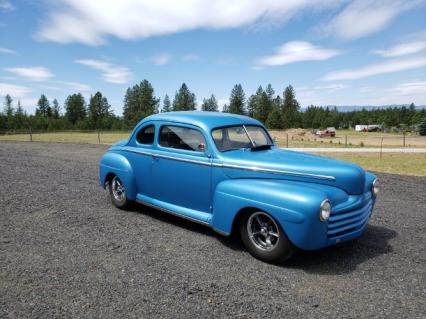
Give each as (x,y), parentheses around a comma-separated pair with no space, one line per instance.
(263,231)
(118,189)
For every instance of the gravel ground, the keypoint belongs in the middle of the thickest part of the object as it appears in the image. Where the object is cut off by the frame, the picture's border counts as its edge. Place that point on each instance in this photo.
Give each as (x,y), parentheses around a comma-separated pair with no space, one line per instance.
(66,252)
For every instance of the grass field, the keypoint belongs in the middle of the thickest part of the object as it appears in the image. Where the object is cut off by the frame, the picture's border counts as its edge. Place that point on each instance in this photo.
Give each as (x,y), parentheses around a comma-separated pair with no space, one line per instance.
(407,164)
(70,137)
(296,138)
(348,138)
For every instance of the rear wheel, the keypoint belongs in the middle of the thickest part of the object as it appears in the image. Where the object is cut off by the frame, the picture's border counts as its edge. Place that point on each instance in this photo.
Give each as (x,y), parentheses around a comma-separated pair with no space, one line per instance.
(118,193)
(264,238)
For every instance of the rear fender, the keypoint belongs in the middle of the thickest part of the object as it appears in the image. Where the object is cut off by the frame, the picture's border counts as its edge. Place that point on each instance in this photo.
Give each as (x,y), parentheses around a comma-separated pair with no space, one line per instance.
(115,163)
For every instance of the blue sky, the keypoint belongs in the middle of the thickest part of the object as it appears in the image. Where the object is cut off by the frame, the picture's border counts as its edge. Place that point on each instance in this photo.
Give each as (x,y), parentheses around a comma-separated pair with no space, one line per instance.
(333,52)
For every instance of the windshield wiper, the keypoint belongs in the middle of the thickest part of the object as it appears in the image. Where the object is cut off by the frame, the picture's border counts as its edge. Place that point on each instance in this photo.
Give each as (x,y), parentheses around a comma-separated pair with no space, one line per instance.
(261,147)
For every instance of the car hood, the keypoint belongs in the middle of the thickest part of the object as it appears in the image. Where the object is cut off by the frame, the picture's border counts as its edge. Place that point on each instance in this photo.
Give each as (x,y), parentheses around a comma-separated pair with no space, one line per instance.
(283,164)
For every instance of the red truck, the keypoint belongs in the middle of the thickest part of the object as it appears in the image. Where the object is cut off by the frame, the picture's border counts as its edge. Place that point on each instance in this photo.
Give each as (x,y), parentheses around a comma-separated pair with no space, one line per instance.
(329,132)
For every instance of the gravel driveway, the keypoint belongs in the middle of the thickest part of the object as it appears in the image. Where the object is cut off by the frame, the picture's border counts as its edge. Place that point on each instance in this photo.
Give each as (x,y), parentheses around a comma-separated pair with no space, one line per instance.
(66,252)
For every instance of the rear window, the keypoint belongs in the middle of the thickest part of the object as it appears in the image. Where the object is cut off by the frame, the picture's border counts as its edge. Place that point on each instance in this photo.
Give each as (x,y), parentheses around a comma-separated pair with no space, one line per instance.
(146,135)
(182,138)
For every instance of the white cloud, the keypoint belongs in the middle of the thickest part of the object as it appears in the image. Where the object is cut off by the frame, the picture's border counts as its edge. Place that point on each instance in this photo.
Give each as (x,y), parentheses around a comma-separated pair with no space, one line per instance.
(225,60)
(7,51)
(409,89)
(36,73)
(402,49)
(161,59)
(76,86)
(6,5)
(331,87)
(296,51)
(389,66)
(398,94)
(65,86)
(91,22)
(15,91)
(191,57)
(364,17)
(110,73)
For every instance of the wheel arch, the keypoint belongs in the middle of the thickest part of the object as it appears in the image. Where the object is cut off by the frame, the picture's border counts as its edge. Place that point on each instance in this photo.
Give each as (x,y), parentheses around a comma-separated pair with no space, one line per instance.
(293,206)
(116,164)
(109,176)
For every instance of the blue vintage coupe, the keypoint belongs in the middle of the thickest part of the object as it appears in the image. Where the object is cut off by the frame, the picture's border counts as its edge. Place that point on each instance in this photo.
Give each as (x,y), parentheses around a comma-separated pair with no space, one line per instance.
(225,171)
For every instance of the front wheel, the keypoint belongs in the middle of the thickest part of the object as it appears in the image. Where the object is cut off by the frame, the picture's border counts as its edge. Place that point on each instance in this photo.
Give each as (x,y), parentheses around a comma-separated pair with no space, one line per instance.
(264,238)
(118,193)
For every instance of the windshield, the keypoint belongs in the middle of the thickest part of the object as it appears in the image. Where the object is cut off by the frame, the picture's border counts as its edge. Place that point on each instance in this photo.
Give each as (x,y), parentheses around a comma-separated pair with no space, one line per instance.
(241,136)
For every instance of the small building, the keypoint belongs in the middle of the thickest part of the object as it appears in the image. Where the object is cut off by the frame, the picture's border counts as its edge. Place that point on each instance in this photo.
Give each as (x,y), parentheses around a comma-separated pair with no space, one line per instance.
(361,128)
(368,128)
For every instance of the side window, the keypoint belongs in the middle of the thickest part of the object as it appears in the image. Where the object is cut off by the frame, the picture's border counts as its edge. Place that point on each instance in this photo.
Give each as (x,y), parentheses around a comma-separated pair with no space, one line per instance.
(146,135)
(182,138)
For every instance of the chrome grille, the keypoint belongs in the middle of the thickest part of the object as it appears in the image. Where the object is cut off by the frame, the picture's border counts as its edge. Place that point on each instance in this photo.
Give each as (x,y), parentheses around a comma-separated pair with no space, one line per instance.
(343,223)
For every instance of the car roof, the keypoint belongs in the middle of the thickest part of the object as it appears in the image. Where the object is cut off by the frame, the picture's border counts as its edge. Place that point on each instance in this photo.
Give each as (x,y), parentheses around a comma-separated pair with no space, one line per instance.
(205,120)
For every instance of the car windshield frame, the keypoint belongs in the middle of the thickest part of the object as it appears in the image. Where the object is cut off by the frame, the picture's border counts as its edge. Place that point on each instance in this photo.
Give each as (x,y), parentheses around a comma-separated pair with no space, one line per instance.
(270,141)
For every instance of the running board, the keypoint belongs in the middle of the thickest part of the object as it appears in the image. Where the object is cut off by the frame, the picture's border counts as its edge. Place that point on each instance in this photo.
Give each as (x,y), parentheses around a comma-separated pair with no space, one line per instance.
(190,214)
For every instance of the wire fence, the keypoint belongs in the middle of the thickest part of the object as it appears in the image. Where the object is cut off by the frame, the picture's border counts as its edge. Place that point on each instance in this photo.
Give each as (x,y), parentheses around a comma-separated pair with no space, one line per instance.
(351,141)
(282,138)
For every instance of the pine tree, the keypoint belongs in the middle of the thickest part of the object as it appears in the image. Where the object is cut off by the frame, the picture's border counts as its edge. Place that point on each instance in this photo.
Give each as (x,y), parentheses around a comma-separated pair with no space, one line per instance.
(237,100)
(274,120)
(139,102)
(56,110)
(75,108)
(19,116)
(167,106)
(210,104)
(184,99)
(290,111)
(253,102)
(43,107)
(422,127)
(9,112)
(225,108)
(8,109)
(98,109)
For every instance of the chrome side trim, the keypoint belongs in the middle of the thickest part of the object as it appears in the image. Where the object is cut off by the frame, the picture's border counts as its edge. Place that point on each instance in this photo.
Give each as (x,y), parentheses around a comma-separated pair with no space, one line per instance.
(187,160)
(247,168)
(173,213)
(134,151)
(273,171)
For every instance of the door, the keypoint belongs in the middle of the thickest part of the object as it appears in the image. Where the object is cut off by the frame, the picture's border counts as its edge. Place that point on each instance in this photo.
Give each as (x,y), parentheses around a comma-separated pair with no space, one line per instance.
(181,169)
(141,148)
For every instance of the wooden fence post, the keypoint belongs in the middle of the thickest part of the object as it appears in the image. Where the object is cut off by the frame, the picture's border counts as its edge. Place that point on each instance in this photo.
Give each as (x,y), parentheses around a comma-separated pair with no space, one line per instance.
(346,141)
(99,137)
(403,139)
(31,135)
(286,139)
(381,147)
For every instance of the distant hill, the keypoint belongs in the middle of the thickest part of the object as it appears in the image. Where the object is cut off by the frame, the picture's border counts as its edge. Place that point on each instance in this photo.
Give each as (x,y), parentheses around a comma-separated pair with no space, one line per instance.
(350,108)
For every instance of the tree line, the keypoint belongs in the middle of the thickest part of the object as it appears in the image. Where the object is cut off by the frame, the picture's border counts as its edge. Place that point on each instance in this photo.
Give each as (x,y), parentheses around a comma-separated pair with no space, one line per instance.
(276,111)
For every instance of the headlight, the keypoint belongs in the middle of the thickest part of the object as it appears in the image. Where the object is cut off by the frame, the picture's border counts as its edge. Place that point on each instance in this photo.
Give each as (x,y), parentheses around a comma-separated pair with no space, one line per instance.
(325,210)
(375,187)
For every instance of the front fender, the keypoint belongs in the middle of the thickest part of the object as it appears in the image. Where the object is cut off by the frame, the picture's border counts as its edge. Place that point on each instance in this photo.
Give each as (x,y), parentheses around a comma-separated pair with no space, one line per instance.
(294,205)
(117,164)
